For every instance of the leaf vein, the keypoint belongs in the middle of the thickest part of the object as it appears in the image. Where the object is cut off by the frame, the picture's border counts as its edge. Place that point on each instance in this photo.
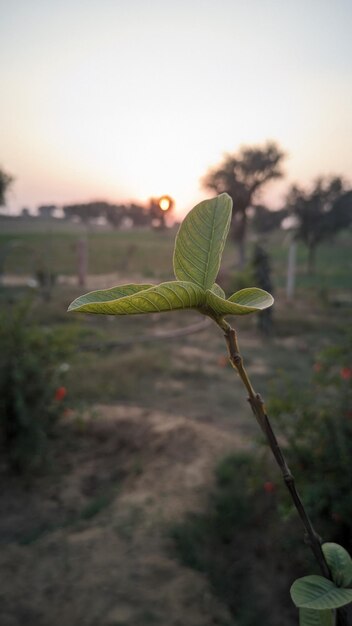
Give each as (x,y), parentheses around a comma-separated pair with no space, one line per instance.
(179,260)
(174,292)
(192,238)
(191,261)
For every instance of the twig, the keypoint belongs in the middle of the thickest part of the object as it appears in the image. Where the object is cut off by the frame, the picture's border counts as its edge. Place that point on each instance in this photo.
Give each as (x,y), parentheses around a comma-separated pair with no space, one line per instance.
(258,408)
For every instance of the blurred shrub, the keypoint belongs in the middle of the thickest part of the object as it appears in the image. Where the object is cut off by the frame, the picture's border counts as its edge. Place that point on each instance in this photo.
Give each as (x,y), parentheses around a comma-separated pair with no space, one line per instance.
(236,543)
(32,395)
(316,422)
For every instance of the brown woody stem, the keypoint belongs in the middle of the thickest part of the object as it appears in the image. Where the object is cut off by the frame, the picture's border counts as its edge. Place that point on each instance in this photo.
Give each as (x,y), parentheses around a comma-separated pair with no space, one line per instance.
(258,408)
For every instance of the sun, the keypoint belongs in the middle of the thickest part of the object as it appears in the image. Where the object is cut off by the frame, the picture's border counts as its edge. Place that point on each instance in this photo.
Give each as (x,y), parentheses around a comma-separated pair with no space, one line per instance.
(164,203)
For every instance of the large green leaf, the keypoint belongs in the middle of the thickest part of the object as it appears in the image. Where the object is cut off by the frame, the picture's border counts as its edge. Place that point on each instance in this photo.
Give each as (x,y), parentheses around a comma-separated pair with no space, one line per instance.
(106,295)
(316,592)
(339,562)
(133,299)
(309,617)
(200,241)
(241,303)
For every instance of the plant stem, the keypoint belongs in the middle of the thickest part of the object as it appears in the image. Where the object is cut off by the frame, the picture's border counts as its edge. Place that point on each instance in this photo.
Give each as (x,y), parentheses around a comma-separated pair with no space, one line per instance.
(257,406)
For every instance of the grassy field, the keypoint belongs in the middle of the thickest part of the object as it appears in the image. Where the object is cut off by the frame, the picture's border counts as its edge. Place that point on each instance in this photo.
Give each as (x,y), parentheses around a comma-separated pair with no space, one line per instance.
(149,254)
(142,251)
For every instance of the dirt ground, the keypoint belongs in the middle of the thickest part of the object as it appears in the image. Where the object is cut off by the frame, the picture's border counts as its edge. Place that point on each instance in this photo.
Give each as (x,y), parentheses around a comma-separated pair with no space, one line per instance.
(88,544)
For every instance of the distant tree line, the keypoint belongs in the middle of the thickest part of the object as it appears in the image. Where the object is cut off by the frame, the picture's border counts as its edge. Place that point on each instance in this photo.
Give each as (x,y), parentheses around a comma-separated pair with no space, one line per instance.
(116,215)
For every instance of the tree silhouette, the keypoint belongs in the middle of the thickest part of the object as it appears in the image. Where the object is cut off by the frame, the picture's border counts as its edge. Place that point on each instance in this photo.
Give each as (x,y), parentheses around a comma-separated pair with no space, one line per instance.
(262,274)
(242,175)
(85,212)
(5,182)
(320,213)
(46,210)
(139,215)
(265,221)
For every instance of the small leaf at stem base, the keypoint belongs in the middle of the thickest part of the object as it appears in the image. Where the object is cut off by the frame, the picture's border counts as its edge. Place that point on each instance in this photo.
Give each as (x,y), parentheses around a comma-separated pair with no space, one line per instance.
(316,592)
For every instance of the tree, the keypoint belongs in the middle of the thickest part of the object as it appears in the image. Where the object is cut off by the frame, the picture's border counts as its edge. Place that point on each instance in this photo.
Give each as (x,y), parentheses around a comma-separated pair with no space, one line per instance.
(139,215)
(5,182)
(320,213)
(242,176)
(86,212)
(46,210)
(264,220)
(115,214)
(262,274)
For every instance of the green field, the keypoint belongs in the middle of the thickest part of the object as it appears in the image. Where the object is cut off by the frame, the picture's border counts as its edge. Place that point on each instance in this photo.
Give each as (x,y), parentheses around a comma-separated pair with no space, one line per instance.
(149,254)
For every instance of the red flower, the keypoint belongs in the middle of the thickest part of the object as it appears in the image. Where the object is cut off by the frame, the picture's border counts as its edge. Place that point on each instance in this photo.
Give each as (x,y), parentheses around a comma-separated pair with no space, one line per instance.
(60,393)
(346,373)
(269,487)
(317,367)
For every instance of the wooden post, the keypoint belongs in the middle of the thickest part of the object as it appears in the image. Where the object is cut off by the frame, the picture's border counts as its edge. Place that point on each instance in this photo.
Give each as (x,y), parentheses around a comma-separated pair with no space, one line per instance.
(82,261)
(291,270)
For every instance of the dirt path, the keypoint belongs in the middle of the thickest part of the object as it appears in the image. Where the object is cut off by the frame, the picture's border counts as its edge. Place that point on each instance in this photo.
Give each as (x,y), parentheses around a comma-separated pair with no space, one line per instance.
(108,562)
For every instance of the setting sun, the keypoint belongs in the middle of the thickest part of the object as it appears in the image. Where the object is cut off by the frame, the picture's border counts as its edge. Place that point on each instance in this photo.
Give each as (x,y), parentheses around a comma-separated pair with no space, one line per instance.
(164,203)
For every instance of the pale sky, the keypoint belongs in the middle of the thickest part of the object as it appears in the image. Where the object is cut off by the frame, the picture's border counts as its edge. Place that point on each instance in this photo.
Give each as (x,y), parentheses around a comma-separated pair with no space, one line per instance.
(127,99)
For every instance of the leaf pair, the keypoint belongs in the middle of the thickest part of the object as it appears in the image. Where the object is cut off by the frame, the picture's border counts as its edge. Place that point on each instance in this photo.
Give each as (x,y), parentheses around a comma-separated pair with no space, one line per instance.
(197,256)
(317,597)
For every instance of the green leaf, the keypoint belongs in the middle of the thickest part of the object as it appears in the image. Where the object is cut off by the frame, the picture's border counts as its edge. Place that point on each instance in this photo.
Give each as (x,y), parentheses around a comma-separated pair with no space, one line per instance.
(254,297)
(339,562)
(218,291)
(241,303)
(106,295)
(316,592)
(200,241)
(309,617)
(133,299)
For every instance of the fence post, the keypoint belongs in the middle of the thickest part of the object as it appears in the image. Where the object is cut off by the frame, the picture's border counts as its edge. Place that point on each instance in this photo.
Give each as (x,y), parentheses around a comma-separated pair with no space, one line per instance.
(291,270)
(82,264)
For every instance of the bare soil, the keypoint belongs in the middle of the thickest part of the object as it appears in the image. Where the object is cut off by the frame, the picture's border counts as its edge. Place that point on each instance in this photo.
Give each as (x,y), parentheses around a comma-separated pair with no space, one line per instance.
(88,544)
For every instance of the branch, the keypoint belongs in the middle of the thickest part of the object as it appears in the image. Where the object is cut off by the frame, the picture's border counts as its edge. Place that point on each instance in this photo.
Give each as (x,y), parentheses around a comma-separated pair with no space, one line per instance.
(257,406)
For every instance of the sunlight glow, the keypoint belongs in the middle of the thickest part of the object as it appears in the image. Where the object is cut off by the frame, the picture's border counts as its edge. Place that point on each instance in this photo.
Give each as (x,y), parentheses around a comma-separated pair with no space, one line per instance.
(130,107)
(164,203)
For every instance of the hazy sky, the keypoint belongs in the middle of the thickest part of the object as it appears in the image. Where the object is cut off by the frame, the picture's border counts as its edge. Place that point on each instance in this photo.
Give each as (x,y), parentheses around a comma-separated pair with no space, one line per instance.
(121,99)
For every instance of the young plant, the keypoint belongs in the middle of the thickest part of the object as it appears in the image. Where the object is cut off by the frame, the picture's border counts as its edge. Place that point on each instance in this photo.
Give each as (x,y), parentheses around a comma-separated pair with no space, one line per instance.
(198,250)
